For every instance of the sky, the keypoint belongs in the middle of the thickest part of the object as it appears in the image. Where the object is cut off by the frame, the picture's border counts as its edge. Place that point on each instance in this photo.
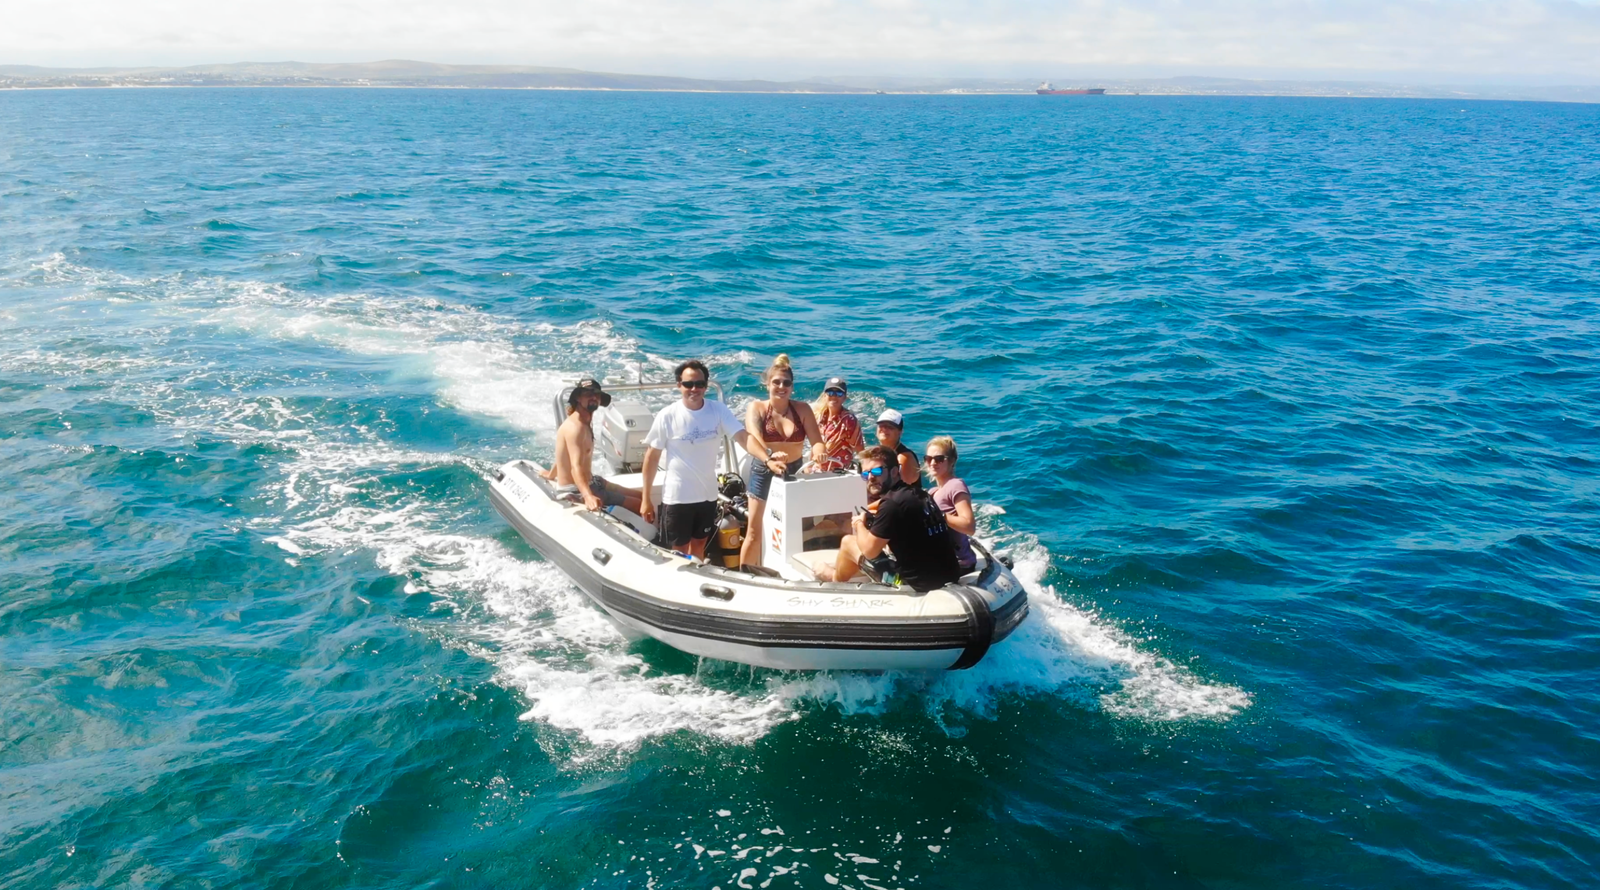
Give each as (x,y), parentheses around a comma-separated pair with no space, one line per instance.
(1438,41)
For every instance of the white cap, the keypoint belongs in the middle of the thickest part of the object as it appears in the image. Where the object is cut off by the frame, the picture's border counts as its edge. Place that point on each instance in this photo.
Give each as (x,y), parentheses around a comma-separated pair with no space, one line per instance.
(892,416)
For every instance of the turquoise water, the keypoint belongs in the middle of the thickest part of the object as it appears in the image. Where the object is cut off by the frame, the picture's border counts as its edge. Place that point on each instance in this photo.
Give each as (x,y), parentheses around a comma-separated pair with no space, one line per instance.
(1287,406)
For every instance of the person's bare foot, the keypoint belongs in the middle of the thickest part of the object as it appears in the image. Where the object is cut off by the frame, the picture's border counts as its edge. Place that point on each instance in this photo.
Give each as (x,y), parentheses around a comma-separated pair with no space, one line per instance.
(822,568)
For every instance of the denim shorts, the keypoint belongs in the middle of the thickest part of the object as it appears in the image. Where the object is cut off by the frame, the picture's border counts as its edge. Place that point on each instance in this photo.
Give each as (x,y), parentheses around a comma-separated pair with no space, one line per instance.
(761,477)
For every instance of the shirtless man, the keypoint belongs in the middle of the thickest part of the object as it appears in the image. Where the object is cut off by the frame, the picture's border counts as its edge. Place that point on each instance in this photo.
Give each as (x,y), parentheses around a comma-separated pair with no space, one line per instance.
(575,454)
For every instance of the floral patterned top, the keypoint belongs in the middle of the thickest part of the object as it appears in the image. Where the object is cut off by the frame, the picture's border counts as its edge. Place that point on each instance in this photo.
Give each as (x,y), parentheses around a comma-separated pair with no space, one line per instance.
(843,432)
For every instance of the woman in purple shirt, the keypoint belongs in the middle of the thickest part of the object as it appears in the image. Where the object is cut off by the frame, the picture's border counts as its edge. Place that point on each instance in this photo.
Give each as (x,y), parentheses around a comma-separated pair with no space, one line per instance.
(952,496)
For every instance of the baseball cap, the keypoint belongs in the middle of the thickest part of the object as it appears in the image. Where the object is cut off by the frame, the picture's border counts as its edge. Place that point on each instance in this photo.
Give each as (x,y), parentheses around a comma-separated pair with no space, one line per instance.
(836,383)
(589,384)
(892,416)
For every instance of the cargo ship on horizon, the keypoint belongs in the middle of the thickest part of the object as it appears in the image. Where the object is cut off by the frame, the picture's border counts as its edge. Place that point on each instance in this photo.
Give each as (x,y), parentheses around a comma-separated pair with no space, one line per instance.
(1045,89)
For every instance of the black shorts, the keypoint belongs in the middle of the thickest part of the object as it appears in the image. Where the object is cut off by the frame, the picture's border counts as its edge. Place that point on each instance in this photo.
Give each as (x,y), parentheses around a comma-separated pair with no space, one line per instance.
(681,523)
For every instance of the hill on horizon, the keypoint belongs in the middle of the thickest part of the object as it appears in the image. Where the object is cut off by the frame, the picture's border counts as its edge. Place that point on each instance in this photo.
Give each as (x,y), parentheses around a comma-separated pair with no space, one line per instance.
(416,74)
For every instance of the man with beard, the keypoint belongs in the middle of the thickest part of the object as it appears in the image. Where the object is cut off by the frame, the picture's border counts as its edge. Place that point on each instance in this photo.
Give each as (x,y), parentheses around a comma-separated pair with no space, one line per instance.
(575,454)
(907,521)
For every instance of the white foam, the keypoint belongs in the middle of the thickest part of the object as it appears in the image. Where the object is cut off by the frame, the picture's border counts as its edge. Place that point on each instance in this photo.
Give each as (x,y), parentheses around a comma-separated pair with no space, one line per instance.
(1058,651)
(491,380)
(482,364)
(577,672)
(550,643)
(579,675)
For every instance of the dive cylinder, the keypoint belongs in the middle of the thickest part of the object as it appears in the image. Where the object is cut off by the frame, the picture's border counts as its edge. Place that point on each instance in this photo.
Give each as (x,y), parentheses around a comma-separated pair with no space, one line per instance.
(729,537)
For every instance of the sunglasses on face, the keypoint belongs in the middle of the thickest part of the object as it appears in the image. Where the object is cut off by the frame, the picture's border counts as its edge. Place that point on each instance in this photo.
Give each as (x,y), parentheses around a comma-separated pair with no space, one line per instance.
(692,384)
(936,458)
(781,383)
(835,392)
(872,473)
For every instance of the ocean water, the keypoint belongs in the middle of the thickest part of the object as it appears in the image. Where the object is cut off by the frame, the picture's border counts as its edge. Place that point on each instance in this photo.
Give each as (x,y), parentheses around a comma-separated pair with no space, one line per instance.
(1288,408)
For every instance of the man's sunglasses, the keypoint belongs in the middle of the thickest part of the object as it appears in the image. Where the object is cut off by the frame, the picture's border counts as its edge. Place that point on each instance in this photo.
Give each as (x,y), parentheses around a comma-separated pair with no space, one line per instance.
(835,392)
(936,458)
(693,384)
(874,472)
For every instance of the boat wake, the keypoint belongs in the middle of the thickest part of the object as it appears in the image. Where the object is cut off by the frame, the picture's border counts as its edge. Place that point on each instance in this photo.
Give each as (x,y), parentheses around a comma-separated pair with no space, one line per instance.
(580,675)
(337,488)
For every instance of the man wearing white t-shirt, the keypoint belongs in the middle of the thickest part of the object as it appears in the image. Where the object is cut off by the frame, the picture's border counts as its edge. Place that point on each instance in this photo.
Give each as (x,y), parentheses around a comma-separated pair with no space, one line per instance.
(688,434)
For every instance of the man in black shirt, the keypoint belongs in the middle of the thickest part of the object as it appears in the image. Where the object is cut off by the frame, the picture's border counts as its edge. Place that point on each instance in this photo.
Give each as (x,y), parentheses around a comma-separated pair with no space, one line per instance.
(908,522)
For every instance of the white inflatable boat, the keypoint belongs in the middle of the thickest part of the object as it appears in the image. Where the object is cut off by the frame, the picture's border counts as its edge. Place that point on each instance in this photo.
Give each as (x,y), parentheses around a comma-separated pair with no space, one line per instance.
(788,621)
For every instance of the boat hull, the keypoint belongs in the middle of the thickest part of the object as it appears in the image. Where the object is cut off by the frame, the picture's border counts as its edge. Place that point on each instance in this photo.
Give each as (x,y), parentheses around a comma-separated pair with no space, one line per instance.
(714,612)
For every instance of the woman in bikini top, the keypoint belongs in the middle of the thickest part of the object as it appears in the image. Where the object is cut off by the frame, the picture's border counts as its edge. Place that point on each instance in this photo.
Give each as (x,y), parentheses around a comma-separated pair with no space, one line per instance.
(774,451)
(772,428)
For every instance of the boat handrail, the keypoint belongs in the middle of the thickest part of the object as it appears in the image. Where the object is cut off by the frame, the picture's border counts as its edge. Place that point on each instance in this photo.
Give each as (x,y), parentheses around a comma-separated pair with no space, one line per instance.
(991,563)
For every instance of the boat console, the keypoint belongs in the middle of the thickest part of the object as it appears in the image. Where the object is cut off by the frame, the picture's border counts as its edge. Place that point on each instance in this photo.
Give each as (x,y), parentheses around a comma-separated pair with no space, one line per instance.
(807,514)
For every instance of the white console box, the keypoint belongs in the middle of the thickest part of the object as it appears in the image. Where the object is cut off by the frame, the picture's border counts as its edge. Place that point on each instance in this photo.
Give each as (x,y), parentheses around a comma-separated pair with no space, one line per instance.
(825,498)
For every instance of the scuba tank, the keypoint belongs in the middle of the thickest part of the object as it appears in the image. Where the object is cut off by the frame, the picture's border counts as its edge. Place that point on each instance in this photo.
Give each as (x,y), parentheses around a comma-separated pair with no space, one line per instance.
(730,534)
(730,527)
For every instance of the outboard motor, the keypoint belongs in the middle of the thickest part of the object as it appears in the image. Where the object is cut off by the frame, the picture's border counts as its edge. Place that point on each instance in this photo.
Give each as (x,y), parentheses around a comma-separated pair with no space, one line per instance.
(619,434)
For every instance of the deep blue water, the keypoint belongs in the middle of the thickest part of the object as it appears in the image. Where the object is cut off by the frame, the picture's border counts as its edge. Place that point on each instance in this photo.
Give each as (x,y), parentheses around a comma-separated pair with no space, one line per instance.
(1288,406)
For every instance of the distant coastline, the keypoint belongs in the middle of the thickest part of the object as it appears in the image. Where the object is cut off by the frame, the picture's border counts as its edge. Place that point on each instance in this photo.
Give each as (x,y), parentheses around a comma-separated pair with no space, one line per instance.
(402,74)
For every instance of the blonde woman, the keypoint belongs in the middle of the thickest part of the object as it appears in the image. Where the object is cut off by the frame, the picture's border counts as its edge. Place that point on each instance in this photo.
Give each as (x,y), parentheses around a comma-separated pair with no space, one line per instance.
(779,426)
(841,431)
(953,497)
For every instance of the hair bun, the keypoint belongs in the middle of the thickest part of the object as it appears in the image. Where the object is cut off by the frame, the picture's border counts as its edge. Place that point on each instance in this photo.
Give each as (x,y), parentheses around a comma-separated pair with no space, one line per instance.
(782,361)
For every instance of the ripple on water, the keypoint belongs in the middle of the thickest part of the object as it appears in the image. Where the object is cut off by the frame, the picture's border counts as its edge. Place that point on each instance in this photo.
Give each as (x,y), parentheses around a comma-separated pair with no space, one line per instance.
(1281,405)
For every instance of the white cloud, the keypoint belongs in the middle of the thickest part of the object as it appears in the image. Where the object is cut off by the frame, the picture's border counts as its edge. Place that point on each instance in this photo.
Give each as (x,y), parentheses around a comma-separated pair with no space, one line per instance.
(1491,39)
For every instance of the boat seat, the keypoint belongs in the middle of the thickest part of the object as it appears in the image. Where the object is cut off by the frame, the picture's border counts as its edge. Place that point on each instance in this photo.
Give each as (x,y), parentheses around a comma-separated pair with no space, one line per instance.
(803,561)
